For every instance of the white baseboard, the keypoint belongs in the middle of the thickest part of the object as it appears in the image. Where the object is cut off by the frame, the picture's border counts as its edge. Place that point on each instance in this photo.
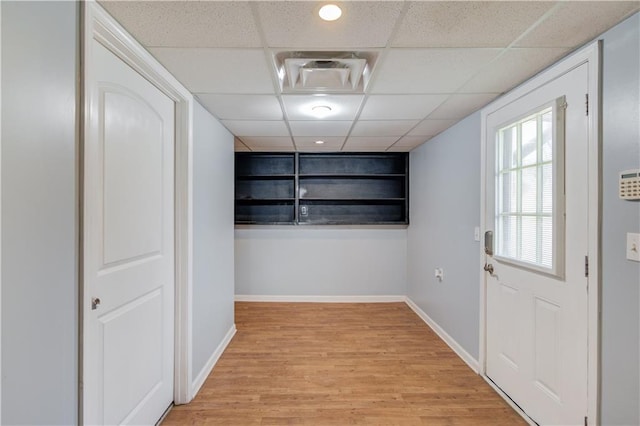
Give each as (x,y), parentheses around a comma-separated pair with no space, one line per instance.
(320,299)
(459,350)
(208,367)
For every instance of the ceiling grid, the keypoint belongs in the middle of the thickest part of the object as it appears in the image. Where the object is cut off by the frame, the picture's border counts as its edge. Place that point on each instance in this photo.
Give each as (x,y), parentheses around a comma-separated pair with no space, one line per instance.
(435,61)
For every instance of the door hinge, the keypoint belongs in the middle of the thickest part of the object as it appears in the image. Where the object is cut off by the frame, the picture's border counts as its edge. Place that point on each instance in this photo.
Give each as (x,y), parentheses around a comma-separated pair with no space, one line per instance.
(586,266)
(586,103)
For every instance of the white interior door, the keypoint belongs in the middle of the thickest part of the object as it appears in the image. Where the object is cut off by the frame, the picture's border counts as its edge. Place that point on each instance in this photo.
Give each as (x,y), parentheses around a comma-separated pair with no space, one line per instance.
(128,245)
(536,307)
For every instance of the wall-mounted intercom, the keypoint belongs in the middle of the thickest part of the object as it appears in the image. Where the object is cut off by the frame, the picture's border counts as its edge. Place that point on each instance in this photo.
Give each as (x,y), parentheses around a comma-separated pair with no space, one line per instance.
(630,184)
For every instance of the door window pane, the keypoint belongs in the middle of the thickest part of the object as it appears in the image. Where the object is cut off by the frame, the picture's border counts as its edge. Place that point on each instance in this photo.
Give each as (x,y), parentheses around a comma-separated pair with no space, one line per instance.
(529,141)
(527,188)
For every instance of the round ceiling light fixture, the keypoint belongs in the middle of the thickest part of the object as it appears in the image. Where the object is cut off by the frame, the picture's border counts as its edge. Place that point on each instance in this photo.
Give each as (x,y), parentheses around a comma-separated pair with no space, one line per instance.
(321,111)
(330,12)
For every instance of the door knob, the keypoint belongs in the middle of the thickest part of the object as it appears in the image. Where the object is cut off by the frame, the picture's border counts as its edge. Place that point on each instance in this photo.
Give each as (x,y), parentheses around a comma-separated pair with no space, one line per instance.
(489,268)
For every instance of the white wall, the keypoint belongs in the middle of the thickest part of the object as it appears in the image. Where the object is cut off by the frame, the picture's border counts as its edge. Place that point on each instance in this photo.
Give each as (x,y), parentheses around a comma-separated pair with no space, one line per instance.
(39,213)
(620,277)
(320,261)
(445,209)
(213,273)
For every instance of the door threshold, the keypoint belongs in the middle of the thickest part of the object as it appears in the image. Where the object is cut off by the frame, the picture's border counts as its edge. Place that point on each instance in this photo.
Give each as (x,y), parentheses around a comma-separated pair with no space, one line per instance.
(509,401)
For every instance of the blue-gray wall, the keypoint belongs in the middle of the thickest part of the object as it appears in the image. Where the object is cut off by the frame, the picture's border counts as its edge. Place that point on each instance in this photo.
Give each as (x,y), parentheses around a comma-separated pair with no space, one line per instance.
(213,272)
(441,231)
(620,277)
(445,209)
(39,213)
(320,261)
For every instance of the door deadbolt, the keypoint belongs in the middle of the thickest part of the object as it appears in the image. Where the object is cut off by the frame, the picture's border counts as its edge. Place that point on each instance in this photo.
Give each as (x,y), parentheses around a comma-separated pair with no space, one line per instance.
(488,243)
(95,302)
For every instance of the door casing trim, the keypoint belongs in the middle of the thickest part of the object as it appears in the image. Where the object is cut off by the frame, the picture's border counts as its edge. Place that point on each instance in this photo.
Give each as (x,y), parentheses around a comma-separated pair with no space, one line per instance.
(590,55)
(97,24)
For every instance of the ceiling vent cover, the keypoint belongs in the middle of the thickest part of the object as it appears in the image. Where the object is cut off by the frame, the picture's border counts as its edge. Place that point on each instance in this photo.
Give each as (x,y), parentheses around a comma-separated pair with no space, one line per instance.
(324,71)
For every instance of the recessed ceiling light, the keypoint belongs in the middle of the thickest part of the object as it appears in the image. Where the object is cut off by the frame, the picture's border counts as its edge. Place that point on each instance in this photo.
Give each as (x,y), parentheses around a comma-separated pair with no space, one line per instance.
(330,12)
(321,111)
(319,142)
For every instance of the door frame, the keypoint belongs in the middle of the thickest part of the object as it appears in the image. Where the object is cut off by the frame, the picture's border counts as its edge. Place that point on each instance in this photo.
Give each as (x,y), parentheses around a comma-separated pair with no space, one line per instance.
(590,55)
(97,24)
(0,209)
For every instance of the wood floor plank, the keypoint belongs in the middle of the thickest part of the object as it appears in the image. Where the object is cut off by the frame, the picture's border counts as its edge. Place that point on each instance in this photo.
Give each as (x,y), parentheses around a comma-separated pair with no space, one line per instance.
(340,364)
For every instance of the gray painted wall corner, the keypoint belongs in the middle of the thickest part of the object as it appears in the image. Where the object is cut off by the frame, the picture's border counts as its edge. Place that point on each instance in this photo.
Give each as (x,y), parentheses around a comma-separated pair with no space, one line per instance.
(39,213)
(620,356)
(213,236)
(445,209)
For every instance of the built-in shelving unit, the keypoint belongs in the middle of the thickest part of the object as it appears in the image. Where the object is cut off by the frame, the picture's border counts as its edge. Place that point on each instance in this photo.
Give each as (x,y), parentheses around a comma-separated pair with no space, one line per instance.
(322,188)
(265,188)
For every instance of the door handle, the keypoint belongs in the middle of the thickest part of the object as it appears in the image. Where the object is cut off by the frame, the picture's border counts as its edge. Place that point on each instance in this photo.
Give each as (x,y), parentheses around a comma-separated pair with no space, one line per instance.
(489,268)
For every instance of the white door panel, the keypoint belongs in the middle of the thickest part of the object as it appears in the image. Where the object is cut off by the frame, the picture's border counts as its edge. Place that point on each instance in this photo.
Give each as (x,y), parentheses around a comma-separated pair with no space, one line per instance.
(132,336)
(132,194)
(537,316)
(129,246)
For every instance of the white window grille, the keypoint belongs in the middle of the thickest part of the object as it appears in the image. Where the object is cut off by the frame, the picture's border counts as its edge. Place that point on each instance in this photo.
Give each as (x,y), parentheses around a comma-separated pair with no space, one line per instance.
(530,189)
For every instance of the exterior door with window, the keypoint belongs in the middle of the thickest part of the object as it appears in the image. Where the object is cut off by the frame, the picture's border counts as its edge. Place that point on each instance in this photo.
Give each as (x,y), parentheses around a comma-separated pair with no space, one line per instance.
(536,189)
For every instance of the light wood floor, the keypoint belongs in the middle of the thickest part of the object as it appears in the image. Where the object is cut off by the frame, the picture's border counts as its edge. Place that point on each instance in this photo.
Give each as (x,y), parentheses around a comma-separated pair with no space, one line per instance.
(340,364)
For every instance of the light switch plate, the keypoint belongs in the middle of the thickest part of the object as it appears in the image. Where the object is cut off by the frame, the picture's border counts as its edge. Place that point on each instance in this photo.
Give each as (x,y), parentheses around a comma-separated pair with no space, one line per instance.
(633,247)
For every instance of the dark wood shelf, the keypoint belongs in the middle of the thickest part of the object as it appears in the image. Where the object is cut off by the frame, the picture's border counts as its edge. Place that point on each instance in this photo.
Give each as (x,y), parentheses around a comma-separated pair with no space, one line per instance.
(322,188)
(264,200)
(264,177)
(351,176)
(353,200)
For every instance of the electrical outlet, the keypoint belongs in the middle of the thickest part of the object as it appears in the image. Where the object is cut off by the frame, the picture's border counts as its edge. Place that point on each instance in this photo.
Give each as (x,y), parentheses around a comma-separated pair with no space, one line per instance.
(633,247)
(439,274)
(303,211)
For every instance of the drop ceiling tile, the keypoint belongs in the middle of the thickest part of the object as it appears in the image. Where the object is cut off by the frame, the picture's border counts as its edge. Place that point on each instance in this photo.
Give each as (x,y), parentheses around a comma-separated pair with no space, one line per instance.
(431,127)
(238,146)
(394,148)
(383,127)
(187,23)
(400,107)
(411,141)
(320,148)
(296,24)
(428,70)
(343,107)
(242,107)
(218,70)
(460,106)
(319,128)
(376,143)
(261,143)
(307,144)
(512,68)
(257,128)
(467,23)
(330,142)
(273,149)
(408,143)
(574,23)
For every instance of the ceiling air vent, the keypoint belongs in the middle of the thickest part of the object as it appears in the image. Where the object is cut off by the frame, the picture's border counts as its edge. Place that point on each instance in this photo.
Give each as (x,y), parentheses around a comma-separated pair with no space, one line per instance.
(324,71)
